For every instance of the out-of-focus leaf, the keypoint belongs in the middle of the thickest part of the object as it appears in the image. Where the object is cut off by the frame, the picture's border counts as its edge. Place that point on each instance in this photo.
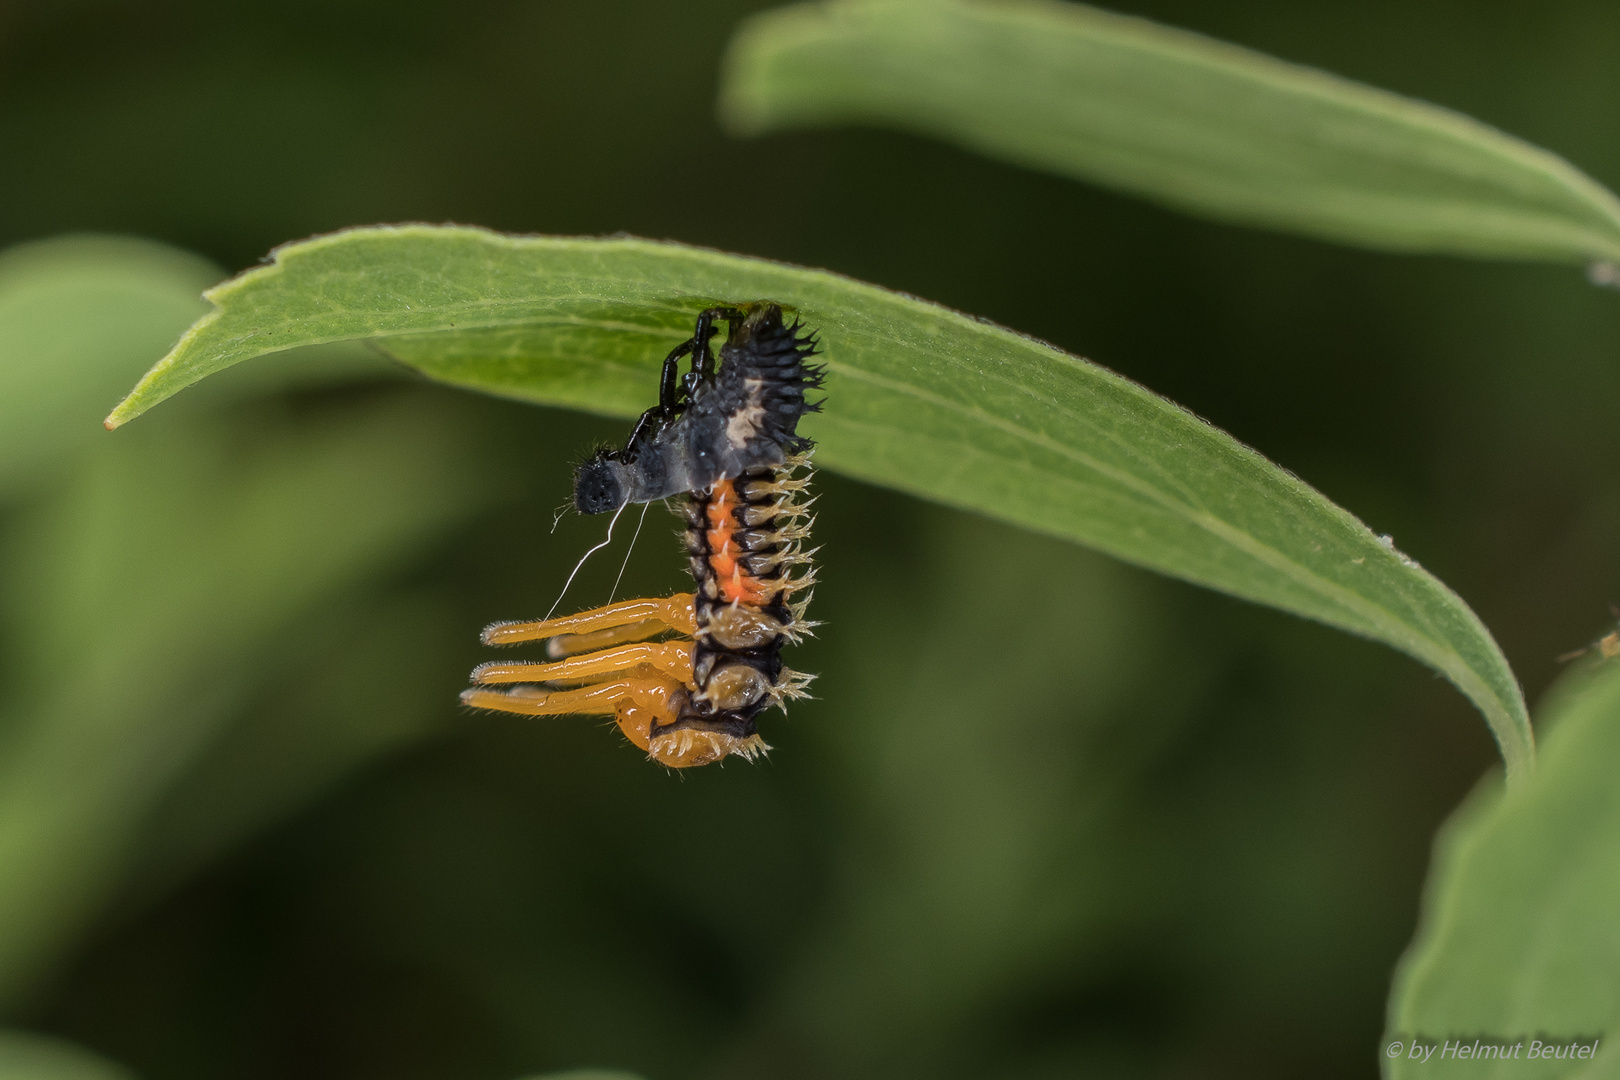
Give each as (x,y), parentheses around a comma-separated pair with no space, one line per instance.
(1519,938)
(144,591)
(79,316)
(1198,124)
(362,680)
(26,1056)
(922,399)
(588,1074)
(983,848)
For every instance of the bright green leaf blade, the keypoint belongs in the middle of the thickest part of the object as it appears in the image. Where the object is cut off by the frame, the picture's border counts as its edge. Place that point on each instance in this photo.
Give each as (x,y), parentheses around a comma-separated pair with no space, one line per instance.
(1519,935)
(921,398)
(1173,116)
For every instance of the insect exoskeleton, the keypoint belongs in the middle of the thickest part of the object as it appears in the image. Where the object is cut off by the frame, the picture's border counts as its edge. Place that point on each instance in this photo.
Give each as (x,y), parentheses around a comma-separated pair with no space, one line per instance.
(712,425)
(686,676)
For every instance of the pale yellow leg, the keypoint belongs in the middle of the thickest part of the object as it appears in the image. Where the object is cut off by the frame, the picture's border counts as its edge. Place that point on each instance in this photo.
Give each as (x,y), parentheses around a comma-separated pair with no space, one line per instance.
(673,611)
(673,658)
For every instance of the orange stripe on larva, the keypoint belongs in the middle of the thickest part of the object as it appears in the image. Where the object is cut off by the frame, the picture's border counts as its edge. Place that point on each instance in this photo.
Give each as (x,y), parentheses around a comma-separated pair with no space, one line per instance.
(736,584)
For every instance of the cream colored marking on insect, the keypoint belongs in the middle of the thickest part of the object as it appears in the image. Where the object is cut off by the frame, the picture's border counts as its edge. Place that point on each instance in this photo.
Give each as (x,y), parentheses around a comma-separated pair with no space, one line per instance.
(746,423)
(738,627)
(734,686)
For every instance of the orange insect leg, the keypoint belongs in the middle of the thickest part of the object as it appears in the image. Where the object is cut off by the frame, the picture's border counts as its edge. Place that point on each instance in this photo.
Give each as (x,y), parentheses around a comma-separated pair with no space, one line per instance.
(636,703)
(573,644)
(673,611)
(674,658)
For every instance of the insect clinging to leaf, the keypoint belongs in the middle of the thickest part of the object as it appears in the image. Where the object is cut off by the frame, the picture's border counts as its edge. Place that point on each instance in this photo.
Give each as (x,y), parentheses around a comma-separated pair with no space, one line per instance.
(686,676)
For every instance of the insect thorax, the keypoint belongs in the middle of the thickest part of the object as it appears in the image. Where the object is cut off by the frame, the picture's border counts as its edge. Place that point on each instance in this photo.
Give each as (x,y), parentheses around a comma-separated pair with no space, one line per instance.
(740,417)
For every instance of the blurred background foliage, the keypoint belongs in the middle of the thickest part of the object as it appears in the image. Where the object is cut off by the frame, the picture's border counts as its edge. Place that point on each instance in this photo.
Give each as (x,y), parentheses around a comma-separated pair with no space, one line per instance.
(1049,815)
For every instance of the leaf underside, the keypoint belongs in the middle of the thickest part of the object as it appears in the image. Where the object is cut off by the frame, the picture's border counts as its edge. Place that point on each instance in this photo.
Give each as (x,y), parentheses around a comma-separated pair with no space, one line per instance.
(1198,124)
(1518,939)
(920,398)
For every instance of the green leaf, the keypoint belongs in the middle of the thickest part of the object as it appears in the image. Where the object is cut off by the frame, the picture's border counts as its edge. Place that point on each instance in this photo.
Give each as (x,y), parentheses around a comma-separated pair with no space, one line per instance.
(921,398)
(80,316)
(364,679)
(145,592)
(1173,116)
(1519,938)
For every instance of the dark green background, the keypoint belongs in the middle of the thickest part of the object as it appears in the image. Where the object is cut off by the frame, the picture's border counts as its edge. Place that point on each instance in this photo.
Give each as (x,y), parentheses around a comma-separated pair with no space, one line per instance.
(1048,816)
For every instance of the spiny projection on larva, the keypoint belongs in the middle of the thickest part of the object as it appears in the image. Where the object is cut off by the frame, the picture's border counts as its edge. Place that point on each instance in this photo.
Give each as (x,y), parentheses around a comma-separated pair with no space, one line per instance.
(687,676)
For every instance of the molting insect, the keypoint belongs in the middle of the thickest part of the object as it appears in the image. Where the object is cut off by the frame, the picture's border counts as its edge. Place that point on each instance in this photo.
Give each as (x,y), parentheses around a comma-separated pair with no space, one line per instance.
(728,439)
(712,425)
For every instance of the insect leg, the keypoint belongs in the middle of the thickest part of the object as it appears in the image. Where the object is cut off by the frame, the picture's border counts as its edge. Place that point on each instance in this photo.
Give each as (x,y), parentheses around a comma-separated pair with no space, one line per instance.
(602,698)
(702,355)
(575,644)
(639,703)
(674,611)
(669,381)
(644,686)
(674,658)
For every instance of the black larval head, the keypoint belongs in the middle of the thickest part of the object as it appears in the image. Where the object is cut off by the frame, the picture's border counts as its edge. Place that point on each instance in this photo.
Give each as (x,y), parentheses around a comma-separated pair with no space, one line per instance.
(597,486)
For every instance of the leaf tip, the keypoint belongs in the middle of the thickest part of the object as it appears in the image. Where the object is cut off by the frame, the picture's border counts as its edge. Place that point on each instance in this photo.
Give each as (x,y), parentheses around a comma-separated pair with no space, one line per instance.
(747,104)
(123,412)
